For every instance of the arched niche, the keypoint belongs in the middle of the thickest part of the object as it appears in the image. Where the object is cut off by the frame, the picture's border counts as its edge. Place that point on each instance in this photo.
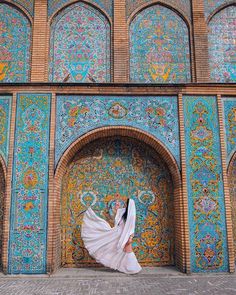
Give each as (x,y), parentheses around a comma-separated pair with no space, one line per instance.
(159,46)
(180,228)
(15,51)
(80,48)
(222,47)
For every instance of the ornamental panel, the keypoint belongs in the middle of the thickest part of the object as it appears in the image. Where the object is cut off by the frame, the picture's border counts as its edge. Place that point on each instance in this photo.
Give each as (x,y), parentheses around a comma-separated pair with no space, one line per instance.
(207,219)
(229,106)
(5,117)
(222,46)
(28,222)
(80,45)
(76,115)
(15,42)
(159,47)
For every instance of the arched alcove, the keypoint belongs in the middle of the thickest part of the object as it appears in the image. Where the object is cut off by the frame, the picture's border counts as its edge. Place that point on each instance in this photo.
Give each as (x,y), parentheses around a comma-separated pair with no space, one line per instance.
(159,46)
(180,228)
(117,168)
(222,47)
(80,48)
(15,54)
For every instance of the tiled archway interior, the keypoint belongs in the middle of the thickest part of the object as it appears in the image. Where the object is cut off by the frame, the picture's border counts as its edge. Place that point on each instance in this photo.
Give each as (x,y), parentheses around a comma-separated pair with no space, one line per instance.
(232,187)
(116,168)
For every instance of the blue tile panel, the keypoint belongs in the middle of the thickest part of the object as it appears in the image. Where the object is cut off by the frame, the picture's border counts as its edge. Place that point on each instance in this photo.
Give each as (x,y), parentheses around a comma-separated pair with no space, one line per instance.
(15,40)
(77,115)
(229,105)
(55,5)
(5,117)
(183,6)
(28,5)
(159,47)
(80,45)
(207,221)
(222,46)
(28,222)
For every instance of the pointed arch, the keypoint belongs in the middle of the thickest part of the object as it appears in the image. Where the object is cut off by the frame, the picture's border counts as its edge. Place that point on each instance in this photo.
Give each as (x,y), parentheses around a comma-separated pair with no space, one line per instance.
(152,29)
(15,54)
(221,42)
(218,9)
(80,45)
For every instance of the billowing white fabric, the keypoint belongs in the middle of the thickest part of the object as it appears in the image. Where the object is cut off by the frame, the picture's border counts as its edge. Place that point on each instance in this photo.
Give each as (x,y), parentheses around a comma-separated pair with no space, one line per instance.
(106,244)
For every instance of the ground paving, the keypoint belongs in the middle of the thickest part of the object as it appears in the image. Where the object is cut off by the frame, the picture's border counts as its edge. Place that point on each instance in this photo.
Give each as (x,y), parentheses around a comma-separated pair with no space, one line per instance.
(151,281)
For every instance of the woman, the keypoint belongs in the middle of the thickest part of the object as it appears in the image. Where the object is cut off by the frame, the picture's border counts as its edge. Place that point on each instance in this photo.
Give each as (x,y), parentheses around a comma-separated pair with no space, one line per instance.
(112,247)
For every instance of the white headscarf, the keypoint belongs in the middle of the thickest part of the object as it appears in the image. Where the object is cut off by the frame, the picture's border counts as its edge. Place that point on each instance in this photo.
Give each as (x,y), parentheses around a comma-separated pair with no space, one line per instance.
(129,227)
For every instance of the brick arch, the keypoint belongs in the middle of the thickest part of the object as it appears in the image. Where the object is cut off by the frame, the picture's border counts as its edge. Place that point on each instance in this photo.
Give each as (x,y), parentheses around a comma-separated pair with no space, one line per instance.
(89,2)
(178,12)
(54,243)
(219,8)
(20,8)
(231,173)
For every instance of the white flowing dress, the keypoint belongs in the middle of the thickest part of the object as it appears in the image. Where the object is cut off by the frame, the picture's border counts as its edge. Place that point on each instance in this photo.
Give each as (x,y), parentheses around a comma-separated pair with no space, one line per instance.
(106,243)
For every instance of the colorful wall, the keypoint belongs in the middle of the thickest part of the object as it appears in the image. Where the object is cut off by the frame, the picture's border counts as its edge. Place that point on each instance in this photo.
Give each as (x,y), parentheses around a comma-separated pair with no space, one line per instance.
(132,66)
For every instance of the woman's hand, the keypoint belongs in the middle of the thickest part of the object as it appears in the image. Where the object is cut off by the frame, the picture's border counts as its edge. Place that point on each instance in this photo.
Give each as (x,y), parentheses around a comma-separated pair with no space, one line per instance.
(117,205)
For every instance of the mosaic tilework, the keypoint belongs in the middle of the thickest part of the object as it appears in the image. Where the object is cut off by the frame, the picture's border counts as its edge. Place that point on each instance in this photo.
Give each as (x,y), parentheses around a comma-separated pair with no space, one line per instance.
(181,5)
(77,115)
(222,46)
(229,105)
(15,36)
(211,5)
(5,116)
(80,46)
(28,224)
(27,4)
(159,47)
(232,190)
(55,5)
(2,199)
(113,169)
(208,239)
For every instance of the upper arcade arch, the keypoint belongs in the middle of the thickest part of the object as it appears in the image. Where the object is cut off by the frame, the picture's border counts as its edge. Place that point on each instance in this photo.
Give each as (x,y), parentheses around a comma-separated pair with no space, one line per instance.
(80,45)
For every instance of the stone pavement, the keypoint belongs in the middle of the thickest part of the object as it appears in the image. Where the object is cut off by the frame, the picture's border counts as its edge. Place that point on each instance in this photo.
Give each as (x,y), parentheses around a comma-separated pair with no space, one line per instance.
(151,281)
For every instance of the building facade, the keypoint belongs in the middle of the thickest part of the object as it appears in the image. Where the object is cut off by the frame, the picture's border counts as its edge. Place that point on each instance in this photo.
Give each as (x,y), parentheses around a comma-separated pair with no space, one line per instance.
(101,100)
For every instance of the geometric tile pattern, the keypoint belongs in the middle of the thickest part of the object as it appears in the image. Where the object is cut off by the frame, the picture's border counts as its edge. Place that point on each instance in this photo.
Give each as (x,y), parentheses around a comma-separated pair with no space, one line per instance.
(80,45)
(207,219)
(159,47)
(76,115)
(28,219)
